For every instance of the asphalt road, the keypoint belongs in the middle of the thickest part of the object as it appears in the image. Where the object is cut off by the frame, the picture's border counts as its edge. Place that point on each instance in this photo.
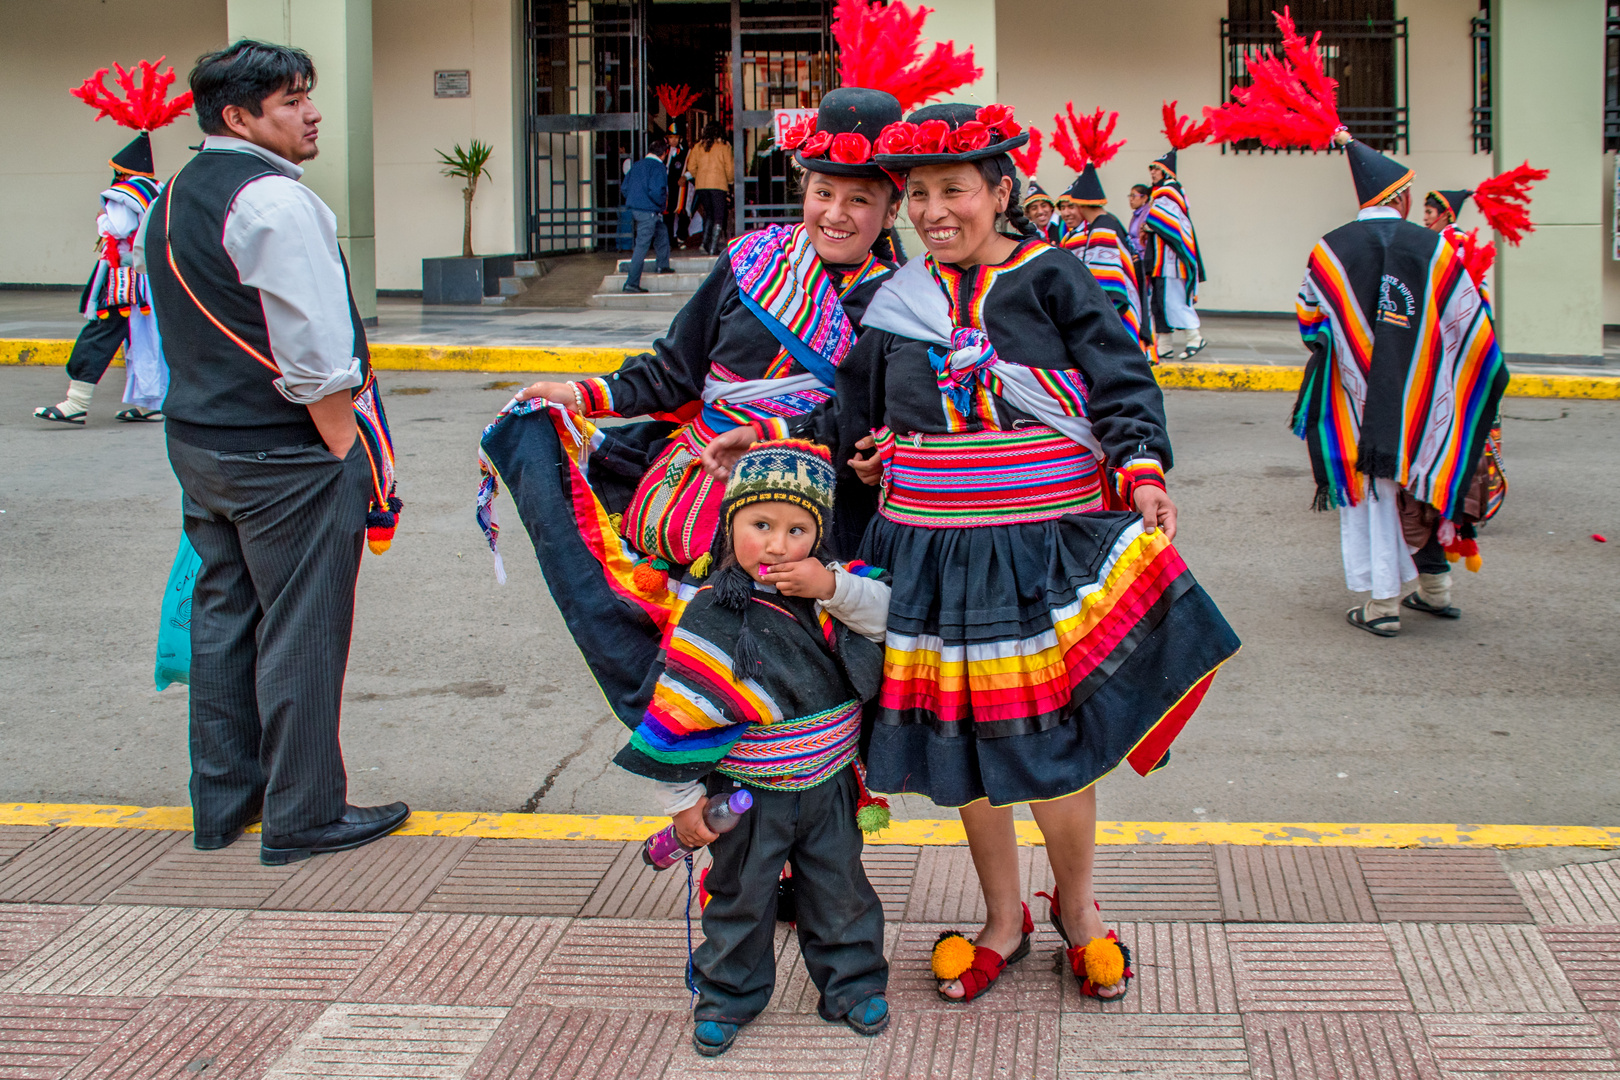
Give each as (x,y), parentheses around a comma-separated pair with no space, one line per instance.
(466,695)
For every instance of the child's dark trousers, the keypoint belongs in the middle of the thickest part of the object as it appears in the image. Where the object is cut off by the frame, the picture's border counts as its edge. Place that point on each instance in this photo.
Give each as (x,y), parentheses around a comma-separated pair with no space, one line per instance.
(840,918)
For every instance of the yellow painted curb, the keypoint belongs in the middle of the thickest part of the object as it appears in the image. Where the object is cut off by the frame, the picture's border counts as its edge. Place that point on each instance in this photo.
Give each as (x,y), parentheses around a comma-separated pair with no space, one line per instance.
(581,360)
(1230,377)
(573,360)
(918,832)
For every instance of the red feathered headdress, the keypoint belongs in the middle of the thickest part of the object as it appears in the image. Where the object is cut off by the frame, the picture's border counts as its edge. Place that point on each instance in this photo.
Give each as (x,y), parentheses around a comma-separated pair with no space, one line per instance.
(1290,102)
(1029,158)
(676,99)
(1180,130)
(142,108)
(1505,201)
(880,48)
(1085,140)
(1476,257)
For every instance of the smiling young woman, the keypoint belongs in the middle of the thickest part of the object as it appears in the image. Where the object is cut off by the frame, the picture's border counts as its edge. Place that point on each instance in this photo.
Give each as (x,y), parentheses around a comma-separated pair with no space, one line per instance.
(1042,628)
(619,513)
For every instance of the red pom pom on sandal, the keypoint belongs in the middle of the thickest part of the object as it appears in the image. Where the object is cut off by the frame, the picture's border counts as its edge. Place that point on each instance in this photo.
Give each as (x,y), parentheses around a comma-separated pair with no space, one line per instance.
(975,967)
(1101,963)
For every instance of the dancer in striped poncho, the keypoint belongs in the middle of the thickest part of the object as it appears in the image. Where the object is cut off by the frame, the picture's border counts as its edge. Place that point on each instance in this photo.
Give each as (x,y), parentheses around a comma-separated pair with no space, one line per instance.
(1399,394)
(761,687)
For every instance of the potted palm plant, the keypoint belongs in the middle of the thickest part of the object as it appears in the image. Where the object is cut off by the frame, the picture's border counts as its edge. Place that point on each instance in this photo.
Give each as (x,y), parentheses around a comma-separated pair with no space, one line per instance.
(469,278)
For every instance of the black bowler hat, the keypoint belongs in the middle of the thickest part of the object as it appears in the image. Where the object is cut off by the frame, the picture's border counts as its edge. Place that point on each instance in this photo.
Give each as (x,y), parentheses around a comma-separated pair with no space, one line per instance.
(136,158)
(1448,202)
(1087,189)
(845,112)
(1377,177)
(922,141)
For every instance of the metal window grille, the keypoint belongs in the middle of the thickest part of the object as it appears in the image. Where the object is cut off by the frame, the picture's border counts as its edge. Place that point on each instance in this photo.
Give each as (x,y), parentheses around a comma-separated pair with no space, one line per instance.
(1364,48)
(782,60)
(1481,40)
(587,115)
(1611,80)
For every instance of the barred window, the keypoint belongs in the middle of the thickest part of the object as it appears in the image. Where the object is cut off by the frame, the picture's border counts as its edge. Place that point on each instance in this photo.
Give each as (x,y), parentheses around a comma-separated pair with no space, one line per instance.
(1363,47)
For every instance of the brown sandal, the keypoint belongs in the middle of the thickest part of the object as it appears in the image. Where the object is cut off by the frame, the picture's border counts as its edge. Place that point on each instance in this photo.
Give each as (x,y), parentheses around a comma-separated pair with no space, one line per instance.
(984,968)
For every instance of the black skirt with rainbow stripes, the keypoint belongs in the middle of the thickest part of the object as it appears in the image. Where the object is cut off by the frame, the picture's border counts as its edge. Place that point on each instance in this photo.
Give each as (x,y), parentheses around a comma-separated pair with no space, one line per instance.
(1025,661)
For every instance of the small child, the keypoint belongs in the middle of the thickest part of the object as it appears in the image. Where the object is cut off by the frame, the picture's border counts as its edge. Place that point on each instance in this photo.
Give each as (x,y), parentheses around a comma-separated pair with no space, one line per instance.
(762,687)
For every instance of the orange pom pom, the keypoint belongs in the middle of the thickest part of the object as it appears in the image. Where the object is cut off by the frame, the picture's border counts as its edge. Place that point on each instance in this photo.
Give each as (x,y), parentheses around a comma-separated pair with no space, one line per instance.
(379,546)
(953,955)
(1474,562)
(1452,556)
(1105,964)
(648,578)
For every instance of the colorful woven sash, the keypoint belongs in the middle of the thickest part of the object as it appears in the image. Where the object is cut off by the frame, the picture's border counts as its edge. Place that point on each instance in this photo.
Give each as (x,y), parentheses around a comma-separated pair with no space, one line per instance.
(972,478)
(778,269)
(797,754)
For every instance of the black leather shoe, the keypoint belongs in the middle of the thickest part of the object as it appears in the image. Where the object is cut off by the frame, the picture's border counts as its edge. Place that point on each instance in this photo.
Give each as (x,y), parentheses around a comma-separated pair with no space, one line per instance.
(208,842)
(633,289)
(358,826)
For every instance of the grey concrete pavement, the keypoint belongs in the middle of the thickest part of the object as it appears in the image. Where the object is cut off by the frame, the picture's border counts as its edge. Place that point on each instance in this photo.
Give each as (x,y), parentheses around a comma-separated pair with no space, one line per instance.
(466,695)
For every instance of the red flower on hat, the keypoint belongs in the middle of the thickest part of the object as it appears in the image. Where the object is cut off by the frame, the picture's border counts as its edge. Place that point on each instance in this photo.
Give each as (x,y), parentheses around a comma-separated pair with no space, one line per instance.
(897,138)
(970,136)
(1000,117)
(851,148)
(933,137)
(796,131)
(816,144)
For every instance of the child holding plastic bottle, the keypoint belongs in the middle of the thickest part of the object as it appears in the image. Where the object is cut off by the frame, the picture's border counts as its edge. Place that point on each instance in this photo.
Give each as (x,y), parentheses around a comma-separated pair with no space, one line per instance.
(761,690)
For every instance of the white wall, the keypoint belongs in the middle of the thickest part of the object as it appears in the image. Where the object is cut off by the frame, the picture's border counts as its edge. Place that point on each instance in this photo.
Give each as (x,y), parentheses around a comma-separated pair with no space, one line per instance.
(1257,215)
(419,211)
(53,155)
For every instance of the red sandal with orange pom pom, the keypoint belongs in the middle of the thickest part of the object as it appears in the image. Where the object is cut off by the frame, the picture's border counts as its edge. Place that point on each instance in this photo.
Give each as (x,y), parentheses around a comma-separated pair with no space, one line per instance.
(1100,963)
(975,967)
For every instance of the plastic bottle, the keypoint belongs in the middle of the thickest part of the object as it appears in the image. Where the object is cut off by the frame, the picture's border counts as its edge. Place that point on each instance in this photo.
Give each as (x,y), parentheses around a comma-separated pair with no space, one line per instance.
(662,850)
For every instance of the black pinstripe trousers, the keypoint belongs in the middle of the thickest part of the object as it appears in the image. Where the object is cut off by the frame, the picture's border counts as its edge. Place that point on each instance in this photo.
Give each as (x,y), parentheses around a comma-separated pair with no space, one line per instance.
(279,533)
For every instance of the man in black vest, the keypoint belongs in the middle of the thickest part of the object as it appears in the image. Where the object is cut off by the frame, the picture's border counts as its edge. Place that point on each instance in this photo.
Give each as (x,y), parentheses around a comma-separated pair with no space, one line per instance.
(265,354)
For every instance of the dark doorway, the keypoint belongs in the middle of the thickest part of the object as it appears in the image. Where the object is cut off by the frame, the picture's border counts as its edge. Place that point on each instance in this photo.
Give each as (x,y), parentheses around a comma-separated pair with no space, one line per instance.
(592,69)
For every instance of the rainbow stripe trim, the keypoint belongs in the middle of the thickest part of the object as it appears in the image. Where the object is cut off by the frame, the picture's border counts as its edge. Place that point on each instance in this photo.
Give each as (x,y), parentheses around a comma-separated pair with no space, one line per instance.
(986,478)
(1134,474)
(1008,682)
(596,395)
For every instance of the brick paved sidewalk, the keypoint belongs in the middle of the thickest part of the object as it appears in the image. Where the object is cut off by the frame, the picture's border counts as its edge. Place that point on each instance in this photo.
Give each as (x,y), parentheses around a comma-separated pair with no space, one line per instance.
(125,954)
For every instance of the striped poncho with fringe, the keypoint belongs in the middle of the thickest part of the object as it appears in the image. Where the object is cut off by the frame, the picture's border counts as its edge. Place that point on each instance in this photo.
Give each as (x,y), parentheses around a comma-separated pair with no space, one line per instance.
(1405,375)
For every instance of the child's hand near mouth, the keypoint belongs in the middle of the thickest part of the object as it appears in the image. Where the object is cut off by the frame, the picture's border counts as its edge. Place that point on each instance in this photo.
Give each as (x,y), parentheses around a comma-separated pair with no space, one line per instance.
(807,577)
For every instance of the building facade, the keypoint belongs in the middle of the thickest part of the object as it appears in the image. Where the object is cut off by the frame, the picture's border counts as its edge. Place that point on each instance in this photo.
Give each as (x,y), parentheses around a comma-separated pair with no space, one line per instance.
(565,90)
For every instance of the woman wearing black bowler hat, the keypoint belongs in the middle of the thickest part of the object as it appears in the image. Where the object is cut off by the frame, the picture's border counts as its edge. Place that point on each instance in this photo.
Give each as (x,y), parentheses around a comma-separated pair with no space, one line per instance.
(1042,629)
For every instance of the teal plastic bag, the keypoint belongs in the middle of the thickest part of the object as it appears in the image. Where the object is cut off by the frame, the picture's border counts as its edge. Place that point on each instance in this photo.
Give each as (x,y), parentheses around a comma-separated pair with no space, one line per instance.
(174,628)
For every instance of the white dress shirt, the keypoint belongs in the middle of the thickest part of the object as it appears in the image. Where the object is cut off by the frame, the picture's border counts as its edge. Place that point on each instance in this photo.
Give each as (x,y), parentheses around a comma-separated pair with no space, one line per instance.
(1376,213)
(283,240)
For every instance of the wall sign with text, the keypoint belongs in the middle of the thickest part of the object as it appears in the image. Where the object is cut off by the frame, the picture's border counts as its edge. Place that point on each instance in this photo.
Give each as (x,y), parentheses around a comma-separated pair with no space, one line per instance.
(452,84)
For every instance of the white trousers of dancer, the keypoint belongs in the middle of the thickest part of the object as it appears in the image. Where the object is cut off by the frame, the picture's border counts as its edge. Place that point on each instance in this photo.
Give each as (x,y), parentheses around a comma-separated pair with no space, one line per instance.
(1376,558)
(1178,313)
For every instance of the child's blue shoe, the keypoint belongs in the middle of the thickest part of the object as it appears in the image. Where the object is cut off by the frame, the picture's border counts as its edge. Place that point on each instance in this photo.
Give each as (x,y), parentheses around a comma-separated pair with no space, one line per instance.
(870,1016)
(711,1038)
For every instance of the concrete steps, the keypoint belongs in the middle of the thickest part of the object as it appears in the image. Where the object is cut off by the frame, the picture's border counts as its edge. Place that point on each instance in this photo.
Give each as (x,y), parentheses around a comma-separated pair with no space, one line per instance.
(666,292)
(652,301)
(681,264)
(525,273)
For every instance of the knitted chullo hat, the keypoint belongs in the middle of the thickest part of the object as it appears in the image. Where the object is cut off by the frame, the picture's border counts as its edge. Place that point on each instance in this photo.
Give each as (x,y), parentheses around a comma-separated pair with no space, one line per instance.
(785,470)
